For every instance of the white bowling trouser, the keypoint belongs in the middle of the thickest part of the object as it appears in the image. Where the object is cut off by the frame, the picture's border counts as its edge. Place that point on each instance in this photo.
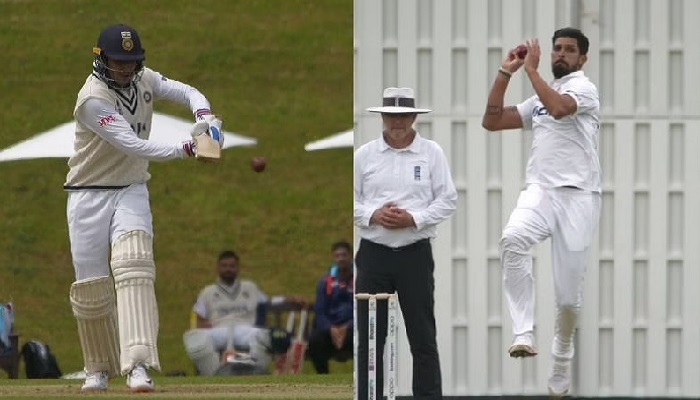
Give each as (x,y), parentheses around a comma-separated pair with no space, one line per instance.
(570,217)
(97,217)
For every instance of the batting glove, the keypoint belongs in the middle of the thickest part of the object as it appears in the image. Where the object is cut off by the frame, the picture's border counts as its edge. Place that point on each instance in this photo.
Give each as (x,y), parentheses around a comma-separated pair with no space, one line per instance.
(215,128)
(190,146)
(199,128)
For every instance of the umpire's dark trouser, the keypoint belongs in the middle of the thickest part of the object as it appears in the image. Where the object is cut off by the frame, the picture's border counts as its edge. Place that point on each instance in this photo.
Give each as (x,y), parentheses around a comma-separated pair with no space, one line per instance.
(409,272)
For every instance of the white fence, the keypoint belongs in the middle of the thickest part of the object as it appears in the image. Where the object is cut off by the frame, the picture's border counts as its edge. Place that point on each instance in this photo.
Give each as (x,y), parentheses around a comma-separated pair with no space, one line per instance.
(639,334)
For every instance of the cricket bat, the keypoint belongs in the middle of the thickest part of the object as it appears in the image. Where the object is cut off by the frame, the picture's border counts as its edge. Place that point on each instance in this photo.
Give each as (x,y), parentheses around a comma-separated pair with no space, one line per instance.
(207,148)
(299,344)
(292,362)
(281,362)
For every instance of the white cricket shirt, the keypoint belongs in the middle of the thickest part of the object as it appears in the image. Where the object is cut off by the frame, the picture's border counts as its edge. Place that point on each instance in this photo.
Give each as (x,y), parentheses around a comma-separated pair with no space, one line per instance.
(112,129)
(416,178)
(233,305)
(565,151)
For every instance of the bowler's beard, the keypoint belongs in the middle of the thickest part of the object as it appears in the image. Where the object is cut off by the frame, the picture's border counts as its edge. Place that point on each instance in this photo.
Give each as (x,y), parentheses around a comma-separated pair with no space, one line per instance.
(561,69)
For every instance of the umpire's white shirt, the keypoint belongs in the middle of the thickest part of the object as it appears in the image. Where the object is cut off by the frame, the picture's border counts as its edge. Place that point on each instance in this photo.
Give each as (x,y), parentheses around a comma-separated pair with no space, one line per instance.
(565,151)
(416,178)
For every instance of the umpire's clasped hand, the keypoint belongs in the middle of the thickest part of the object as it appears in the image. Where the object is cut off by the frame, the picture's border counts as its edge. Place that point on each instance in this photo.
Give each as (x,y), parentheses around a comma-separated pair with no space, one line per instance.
(392,217)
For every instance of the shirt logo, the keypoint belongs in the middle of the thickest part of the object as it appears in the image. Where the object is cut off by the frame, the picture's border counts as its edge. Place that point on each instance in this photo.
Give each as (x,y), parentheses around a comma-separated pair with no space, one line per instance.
(539,111)
(106,120)
(416,173)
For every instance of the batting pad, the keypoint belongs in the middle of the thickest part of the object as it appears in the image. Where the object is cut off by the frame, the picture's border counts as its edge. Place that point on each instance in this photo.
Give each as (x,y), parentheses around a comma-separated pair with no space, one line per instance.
(134,275)
(201,350)
(94,307)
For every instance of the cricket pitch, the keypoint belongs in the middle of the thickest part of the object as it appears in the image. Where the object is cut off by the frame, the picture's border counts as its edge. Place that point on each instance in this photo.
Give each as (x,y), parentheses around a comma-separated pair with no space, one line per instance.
(184,388)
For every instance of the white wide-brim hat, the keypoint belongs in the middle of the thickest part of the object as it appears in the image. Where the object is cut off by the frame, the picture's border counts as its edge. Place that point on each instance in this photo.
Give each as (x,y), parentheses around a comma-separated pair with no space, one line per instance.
(399,101)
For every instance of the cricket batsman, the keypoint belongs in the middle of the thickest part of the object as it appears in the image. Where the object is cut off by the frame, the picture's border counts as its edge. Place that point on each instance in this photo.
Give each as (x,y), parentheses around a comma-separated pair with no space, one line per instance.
(109,217)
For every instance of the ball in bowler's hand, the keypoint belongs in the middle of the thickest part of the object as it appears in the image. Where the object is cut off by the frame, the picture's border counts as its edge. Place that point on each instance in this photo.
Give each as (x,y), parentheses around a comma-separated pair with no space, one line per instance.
(521,51)
(258,164)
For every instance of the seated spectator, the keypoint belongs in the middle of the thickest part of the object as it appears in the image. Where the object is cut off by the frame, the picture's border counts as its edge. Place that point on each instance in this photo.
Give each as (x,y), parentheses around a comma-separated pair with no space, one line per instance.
(332,334)
(230,322)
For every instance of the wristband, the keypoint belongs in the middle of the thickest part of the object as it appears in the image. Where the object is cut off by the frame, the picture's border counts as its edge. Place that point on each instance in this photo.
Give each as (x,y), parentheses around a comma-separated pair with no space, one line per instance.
(189,148)
(505,72)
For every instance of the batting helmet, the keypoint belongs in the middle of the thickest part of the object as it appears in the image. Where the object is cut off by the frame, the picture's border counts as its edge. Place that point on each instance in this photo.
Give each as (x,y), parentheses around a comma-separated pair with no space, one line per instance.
(120,43)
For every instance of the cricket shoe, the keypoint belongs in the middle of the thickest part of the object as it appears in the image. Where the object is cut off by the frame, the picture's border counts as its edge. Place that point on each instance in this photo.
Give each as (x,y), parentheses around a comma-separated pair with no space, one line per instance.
(522,346)
(95,381)
(138,380)
(559,381)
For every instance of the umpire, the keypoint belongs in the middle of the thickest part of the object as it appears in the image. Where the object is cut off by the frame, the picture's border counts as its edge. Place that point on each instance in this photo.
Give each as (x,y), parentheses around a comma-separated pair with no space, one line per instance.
(403,189)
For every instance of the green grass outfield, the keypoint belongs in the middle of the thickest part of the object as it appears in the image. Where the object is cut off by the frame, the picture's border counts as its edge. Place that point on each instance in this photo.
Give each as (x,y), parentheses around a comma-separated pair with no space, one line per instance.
(334,386)
(280,71)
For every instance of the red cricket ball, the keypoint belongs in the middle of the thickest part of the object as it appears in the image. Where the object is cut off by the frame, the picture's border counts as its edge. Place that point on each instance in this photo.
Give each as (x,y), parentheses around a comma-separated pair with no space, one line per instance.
(521,51)
(258,164)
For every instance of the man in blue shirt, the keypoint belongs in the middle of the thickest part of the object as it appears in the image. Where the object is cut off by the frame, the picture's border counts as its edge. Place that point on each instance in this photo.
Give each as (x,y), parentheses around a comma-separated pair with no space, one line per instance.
(331,336)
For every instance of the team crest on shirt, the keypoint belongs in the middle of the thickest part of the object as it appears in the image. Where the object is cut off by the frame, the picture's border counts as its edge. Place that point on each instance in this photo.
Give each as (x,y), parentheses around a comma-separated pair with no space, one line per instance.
(147,96)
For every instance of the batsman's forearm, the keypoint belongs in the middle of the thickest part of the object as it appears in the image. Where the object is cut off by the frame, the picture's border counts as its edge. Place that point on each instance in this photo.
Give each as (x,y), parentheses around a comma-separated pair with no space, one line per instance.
(494,103)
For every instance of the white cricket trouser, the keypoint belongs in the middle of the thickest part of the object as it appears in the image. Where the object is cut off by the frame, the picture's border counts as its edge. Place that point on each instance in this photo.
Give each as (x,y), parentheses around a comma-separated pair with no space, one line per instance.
(256,340)
(242,336)
(96,218)
(570,217)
